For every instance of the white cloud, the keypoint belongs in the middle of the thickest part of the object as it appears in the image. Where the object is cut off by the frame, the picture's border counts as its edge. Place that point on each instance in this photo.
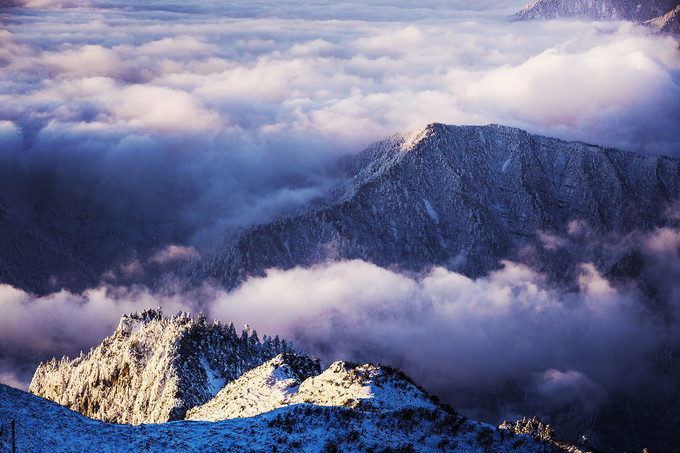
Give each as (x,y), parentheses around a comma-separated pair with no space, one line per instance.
(174,253)
(448,330)
(12,380)
(160,109)
(37,328)
(565,388)
(53,4)
(347,78)
(85,61)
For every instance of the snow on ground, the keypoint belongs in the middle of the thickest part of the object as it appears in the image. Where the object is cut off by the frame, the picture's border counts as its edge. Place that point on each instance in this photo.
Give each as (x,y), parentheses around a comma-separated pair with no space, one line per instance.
(259,390)
(290,379)
(364,387)
(43,426)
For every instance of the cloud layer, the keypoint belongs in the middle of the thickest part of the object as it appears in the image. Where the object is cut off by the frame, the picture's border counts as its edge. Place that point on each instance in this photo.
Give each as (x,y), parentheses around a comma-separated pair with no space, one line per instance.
(462,339)
(352,80)
(208,117)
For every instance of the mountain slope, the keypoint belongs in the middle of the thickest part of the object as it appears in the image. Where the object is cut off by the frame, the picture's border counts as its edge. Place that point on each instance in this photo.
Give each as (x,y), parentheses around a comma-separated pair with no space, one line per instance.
(553,9)
(259,390)
(459,197)
(597,9)
(364,387)
(668,23)
(45,426)
(289,379)
(153,368)
(285,403)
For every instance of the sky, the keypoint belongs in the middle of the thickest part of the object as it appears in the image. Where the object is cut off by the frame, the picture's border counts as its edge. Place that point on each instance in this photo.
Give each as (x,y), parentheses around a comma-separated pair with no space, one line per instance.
(205,117)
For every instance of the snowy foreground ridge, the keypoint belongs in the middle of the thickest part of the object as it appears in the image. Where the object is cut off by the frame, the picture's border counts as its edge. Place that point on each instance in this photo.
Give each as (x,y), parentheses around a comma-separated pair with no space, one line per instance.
(283,404)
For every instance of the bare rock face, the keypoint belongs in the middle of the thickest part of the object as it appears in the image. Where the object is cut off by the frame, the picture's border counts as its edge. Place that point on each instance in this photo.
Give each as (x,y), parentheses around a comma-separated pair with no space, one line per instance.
(153,368)
(462,198)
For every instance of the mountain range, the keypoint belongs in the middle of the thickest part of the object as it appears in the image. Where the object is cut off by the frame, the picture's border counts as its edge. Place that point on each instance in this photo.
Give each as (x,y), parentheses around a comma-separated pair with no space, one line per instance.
(153,369)
(461,197)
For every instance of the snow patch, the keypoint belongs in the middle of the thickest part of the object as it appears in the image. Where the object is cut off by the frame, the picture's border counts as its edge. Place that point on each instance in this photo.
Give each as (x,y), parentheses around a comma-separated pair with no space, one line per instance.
(430,211)
(215,382)
(505,164)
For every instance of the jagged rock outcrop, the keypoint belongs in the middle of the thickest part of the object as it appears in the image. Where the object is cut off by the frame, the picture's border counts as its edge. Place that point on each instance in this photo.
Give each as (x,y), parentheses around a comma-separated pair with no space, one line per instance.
(459,197)
(153,368)
(632,10)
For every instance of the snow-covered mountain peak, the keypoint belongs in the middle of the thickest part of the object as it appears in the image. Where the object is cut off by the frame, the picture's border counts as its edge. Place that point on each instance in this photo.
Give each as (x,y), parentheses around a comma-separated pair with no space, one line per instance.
(364,387)
(291,379)
(262,389)
(153,368)
(412,139)
(461,197)
(132,323)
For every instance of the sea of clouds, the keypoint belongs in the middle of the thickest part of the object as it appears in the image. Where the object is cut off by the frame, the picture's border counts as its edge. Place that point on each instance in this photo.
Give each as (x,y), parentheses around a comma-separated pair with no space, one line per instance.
(205,117)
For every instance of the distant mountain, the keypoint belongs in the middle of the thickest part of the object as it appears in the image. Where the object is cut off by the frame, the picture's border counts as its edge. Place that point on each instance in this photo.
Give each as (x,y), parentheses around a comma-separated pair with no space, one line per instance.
(462,197)
(459,197)
(554,9)
(633,10)
(668,23)
(42,425)
(153,368)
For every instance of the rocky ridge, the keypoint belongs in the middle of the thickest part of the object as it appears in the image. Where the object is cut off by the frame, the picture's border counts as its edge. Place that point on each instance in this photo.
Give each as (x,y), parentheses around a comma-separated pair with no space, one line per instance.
(289,379)
(461,197)
(264,388)
(668,23)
